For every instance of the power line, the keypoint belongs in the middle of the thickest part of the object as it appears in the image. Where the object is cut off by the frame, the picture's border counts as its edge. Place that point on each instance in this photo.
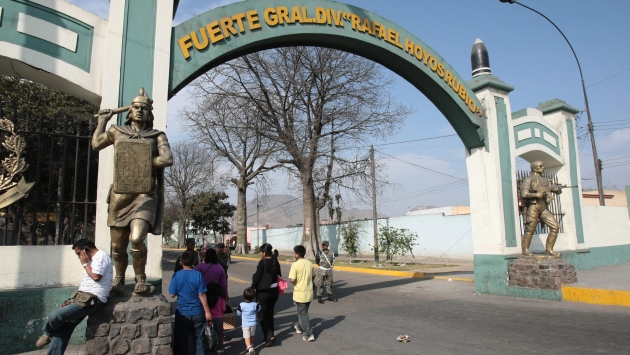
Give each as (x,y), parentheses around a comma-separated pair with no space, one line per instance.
(423,168)
(269,209)
(610,77)
(413,140)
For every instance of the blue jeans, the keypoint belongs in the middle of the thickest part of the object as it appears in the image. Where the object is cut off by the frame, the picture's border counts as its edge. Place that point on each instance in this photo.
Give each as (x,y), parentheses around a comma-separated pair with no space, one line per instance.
(61,323)
(189,325)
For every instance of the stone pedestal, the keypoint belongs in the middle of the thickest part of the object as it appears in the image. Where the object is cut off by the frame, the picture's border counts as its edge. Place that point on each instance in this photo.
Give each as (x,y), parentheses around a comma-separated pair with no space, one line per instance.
(541,272)
(131,325)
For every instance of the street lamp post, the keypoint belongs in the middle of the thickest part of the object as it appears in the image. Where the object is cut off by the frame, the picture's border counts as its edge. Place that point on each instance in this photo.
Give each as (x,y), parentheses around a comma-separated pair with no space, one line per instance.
(598,166)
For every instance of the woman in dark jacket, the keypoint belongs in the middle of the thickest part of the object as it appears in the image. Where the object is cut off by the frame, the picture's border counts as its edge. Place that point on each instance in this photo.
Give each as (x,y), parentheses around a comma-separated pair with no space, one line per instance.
(265,283)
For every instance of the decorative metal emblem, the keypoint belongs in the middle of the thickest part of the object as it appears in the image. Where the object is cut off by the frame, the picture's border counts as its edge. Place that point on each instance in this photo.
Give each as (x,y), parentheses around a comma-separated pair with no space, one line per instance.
(132,167)
(12,167)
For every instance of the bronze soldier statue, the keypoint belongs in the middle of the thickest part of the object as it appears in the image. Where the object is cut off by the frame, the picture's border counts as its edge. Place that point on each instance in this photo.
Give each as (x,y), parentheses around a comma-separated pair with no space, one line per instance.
(536,192)
(136,199)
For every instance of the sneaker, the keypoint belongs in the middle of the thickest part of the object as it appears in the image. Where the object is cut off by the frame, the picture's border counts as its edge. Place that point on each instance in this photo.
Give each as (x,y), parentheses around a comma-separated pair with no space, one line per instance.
(44,340)
(309,338)
(297,330)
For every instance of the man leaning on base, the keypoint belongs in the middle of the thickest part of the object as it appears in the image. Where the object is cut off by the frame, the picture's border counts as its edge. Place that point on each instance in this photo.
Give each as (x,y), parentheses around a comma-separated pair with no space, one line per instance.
(92,295)
(301,276)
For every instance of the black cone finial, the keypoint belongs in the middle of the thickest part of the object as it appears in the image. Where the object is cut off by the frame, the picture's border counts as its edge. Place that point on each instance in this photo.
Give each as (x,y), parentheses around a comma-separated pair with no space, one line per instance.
(479,59)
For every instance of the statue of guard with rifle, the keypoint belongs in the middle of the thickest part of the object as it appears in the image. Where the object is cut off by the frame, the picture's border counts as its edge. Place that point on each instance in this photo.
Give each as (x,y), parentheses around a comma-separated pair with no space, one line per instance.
(536,192)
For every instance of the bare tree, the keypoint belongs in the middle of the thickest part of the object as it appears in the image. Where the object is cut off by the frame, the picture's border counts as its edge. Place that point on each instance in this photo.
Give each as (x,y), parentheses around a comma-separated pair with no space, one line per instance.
(192,172)
(229,126)
(300,92)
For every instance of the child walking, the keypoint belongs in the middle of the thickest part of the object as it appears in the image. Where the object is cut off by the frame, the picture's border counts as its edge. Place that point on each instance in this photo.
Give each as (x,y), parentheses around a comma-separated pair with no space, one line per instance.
(247,310)
(216,302)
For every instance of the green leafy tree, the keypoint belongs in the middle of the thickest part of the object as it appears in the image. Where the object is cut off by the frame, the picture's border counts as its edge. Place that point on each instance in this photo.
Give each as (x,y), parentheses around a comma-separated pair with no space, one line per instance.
(350,238)
(396,241)
(210,211)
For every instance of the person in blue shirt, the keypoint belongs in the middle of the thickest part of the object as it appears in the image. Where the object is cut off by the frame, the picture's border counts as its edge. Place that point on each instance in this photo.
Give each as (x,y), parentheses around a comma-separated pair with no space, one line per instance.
(247,310)
(192,312)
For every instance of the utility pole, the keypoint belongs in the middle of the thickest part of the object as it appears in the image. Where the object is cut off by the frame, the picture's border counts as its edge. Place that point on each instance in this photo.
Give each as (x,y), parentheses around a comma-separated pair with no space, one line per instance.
(596,160)
(374,214)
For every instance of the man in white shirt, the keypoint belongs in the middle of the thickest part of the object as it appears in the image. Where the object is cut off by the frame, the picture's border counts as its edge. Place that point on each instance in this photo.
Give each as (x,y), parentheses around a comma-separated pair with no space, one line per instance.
(90,298)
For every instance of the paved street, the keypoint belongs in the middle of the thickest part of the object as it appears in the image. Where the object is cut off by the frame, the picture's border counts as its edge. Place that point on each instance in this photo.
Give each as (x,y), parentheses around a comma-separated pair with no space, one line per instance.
(440,317)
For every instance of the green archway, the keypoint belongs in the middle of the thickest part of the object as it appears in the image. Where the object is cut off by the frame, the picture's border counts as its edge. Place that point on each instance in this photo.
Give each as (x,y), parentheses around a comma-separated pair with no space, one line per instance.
(227,32)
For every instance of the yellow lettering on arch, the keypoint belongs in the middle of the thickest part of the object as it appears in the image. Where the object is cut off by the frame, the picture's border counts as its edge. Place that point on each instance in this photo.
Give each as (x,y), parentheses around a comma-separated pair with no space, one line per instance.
(239,21)
(270,16)
(381,32)
(227,27)
(418,51)
(200,45)
(367,27)
(440,70)
(356,22)
(296,16)
(283,14)
(184,45)
(252,20)
(321,15)
(214,31)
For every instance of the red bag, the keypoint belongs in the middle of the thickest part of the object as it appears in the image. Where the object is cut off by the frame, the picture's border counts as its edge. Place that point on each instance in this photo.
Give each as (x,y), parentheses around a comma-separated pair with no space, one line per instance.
(282,285)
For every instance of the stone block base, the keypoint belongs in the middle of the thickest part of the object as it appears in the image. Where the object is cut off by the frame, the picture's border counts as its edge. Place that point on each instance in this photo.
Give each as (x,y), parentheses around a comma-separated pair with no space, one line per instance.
(541,273)
(131,325)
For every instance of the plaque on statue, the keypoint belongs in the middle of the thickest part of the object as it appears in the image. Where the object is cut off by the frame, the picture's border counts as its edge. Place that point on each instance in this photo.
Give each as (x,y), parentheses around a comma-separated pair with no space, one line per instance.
(132,166)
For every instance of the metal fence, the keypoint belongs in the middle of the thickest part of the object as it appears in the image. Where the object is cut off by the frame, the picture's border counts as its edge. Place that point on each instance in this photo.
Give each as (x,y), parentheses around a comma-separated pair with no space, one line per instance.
(61,207)
(554,206)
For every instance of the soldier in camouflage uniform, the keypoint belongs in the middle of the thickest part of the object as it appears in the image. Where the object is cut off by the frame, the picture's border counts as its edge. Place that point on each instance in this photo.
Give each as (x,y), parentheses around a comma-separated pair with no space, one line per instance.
(223,257)
(325,258)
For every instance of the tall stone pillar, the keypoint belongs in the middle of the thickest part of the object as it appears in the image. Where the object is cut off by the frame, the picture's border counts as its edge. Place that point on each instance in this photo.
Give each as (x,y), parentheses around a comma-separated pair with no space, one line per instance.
(138,55)
(492,188)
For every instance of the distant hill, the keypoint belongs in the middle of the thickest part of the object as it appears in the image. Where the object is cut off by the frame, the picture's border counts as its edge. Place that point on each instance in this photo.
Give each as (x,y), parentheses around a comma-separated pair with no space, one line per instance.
(284,210)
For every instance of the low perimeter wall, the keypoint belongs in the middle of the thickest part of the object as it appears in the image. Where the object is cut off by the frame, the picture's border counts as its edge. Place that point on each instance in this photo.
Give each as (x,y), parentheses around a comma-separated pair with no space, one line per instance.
(439,237)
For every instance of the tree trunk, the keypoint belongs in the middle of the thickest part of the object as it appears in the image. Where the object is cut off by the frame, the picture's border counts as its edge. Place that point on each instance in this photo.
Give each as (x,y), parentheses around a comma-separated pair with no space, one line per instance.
(181,233)
(241,218)
(309,233)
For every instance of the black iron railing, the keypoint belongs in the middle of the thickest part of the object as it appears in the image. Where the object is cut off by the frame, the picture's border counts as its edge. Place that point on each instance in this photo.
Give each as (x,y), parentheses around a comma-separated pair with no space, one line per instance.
(61,207)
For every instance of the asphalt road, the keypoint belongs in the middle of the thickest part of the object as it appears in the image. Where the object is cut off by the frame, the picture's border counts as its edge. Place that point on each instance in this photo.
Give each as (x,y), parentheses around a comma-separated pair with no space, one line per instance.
(440,317)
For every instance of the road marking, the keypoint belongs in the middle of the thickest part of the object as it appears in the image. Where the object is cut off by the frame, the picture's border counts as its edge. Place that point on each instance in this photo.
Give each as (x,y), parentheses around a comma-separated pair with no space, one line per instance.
(237,280)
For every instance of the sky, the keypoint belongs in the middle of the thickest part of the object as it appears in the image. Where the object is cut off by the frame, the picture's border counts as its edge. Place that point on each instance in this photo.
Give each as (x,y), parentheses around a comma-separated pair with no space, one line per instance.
(525,51)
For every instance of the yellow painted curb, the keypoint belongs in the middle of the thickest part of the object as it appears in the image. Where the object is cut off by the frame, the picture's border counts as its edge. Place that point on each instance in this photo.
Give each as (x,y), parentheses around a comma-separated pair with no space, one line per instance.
(407,274)
(596,296)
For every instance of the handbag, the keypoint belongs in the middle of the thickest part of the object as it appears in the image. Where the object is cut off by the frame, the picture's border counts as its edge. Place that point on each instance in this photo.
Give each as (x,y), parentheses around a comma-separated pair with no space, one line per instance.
(282,285)
(210,338)
(83,299)
(229,318)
